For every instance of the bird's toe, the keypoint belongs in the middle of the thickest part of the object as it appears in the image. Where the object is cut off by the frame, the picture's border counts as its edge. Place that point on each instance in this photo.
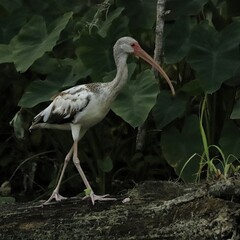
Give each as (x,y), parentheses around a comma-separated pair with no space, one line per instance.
(55,196)
(95,197)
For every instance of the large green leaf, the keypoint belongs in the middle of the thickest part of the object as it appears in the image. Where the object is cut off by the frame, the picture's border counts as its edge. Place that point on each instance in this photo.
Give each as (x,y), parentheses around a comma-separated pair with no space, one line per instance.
(78,71)
(45,64)
(214,56)
(107,24)
(168,108)
(192,88)
(11,24)
(41,91)
(97,52)
(235,80)
(11,6)
(5,54)
(236,110)
(178,147)
(34,39)
(230,139)
(137,98)
(141,13)
(177,41)
(183,8)
(119,28)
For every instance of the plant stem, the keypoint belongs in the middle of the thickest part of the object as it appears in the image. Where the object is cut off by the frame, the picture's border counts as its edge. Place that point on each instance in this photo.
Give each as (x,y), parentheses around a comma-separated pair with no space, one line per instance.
(202,131)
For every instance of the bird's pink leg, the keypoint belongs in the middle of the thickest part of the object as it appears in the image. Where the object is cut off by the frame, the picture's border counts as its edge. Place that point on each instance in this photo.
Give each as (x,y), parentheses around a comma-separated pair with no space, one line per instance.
(93,196)
(55,195)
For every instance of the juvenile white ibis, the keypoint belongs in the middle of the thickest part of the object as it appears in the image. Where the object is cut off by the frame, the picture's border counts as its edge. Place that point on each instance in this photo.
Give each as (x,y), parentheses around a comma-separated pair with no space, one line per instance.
(80,107)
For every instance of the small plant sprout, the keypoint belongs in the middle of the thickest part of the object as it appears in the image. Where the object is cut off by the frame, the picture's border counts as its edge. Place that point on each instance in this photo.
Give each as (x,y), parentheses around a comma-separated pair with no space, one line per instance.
(215,167)
(218,166)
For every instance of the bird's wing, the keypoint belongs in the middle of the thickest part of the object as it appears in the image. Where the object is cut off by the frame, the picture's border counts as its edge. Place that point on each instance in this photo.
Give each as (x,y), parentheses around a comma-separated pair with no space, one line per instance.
(65,106)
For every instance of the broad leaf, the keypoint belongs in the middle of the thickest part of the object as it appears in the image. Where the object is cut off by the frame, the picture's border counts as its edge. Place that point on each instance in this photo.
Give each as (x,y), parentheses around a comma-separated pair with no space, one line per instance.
(106,25)
(168,108)
(183,8)
(11,24)
(5,54)
(230,36)
(236,110)
(97,52)
(40,91)
(34,39)
(11,6)
(119,28)
(214,56)
(192,88)
(78,71)
(177,41)
(230,139)
(178,147)
(141,13)
(137,98)
(235,80)
(45,64)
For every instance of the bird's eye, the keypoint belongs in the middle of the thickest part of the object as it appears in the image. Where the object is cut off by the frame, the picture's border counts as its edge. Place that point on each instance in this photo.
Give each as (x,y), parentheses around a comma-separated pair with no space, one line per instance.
(133,44)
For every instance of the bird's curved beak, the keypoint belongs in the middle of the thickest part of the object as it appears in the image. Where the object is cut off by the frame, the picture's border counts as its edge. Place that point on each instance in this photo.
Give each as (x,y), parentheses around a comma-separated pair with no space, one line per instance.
(139,52)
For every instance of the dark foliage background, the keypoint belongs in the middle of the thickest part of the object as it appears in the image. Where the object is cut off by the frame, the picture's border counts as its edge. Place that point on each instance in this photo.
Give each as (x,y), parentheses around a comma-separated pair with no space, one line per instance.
(48,46)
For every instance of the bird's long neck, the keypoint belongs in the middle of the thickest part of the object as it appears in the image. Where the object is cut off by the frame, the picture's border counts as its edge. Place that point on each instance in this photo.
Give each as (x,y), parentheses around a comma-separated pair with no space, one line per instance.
(122,74)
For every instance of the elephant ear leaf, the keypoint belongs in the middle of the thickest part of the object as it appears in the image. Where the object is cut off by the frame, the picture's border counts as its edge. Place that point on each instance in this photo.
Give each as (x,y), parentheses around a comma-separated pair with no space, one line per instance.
(34,39)
(230,139)
(236,111)
(168,108)
(214,56)
(179,147)
(137,98)
(59,77)
(184,8)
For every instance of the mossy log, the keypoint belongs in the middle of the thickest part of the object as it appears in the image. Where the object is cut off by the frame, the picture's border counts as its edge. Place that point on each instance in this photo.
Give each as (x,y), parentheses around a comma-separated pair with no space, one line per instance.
(154,210)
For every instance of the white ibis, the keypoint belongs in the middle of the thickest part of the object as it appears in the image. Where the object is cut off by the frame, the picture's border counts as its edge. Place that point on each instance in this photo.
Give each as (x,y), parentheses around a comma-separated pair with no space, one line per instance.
(80,107)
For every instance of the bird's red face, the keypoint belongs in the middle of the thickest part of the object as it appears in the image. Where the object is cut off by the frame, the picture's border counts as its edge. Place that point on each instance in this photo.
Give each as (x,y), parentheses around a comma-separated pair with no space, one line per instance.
(139,52)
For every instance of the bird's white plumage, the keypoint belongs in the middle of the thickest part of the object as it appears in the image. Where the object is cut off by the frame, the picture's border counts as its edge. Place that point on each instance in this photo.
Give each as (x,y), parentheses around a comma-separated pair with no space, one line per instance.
(77,105)
(87,104)
(81,107)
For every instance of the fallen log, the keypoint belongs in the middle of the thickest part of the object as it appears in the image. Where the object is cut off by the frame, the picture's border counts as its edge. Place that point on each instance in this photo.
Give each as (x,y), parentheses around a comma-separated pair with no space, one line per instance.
(152,210)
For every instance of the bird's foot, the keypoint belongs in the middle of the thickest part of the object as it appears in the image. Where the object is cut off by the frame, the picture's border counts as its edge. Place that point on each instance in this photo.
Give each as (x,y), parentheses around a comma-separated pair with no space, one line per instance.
(55,195)
(95,197)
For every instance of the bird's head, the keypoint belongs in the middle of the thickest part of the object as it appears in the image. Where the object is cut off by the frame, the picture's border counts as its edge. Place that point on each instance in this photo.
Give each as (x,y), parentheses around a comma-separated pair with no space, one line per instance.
(125,45)
(128,45)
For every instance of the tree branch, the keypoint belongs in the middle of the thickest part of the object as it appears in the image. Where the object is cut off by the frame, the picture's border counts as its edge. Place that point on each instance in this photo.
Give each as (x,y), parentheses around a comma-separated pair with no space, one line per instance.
(159,30)
(157,56)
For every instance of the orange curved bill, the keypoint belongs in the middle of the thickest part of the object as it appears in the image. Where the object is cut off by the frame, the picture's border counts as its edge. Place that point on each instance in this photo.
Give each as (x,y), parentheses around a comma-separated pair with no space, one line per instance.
(138,51)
